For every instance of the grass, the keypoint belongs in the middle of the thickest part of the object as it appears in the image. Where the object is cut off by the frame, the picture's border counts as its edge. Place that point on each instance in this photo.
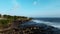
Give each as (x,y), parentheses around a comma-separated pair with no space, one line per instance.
(4,23)
(7,19)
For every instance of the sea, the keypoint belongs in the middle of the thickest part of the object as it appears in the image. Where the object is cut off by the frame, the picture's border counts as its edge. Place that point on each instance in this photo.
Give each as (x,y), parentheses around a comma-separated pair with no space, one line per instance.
(47,23)
(55,22)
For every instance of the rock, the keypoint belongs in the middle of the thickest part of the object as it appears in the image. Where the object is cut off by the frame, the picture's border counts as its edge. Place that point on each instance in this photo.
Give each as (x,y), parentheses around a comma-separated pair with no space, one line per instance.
(39,28)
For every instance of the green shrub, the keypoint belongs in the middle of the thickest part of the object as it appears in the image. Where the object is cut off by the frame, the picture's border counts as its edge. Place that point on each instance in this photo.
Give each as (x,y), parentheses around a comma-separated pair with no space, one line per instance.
(4,22)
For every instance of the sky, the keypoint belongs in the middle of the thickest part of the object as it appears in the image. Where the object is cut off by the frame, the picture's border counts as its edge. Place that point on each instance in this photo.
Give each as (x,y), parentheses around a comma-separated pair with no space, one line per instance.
(31,8)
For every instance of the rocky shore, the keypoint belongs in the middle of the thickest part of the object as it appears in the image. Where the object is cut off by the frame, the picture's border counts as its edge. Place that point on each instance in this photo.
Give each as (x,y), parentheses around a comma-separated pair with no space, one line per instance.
(24,25)
(13,27)
(8,23)
(27,27)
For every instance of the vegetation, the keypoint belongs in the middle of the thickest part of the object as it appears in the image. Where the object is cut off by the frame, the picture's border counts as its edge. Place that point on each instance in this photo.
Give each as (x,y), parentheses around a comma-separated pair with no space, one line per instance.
(7,19)
(4,23)
(0,15)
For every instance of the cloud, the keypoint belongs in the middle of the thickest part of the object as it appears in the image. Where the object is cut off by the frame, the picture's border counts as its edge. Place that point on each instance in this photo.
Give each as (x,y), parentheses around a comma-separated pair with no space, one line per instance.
(16,5)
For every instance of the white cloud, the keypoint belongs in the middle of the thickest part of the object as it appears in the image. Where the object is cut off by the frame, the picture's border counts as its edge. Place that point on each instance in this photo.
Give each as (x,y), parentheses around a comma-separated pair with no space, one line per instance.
(14,9)
(16,5)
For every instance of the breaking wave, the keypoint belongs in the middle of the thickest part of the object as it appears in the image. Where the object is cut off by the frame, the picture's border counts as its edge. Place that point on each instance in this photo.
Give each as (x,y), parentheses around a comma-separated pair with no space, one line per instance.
(57,25)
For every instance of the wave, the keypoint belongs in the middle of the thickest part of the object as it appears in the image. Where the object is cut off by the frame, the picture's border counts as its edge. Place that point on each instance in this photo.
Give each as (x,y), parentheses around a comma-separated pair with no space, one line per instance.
(57,25)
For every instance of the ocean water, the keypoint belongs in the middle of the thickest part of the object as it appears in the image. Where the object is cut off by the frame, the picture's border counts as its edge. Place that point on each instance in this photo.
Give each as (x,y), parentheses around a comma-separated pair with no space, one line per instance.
(51,23)
(54,22)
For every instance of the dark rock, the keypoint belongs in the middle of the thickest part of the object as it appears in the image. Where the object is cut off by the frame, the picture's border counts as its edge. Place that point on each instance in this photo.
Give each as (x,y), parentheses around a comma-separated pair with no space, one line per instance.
(43,28)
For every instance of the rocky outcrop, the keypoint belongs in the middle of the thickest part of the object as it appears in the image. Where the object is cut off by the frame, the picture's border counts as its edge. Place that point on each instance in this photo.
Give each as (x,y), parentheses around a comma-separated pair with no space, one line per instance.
(13,26)
(39,28)
(24,27)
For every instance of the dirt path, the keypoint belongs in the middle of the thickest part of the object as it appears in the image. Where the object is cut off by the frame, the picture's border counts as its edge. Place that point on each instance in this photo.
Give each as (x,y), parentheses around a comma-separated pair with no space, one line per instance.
(6,29)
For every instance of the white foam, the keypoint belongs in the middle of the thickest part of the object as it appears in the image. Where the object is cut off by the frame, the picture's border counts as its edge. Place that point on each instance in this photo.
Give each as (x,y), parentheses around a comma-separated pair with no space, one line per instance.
(48,23)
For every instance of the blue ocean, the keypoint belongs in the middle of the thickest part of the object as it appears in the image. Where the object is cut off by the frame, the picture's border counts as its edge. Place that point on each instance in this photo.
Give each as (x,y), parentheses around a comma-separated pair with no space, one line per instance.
(55,22)
(51,25)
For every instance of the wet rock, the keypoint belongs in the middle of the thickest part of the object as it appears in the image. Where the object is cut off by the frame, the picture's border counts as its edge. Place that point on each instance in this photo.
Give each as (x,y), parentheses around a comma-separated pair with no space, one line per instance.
(40,28)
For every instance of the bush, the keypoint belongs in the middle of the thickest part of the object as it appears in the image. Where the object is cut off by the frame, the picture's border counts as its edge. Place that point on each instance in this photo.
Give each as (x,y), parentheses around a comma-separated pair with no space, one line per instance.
(4,23)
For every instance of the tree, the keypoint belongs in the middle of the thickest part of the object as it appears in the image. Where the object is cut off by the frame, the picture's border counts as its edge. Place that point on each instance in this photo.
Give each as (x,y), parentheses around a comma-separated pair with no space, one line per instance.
(0,15)
(4,16)
(15,17)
